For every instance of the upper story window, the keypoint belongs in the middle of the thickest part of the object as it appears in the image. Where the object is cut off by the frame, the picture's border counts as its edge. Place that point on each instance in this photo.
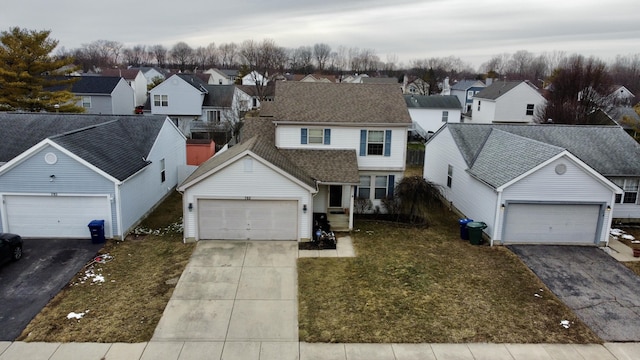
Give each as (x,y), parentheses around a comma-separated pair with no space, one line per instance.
(375,142)
(530,109)
(163,172)
(445,116)
(86,102)
(470,94)
(213,116)
(449,176)
(478,105)
(630,188)
(315,136)
(161,100)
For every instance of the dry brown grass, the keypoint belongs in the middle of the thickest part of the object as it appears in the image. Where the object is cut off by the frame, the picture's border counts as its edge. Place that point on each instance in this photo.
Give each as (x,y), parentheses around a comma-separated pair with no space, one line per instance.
(128,305)
(412,285)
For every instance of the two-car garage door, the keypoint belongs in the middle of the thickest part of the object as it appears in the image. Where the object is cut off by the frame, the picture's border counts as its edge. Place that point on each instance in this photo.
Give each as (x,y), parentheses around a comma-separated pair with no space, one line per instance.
(538,223)
(247,219)
(55,216)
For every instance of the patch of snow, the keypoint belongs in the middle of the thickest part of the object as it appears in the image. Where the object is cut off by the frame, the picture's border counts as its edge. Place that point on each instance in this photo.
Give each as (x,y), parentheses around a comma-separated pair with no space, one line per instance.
(628,237)
(73,315)
(616,232)
(98,278)
(565,324)
(537,295)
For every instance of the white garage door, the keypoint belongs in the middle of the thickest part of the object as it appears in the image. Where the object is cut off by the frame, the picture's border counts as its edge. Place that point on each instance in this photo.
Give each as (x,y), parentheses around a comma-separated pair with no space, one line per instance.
(552,223)
(55,216)
(248,219)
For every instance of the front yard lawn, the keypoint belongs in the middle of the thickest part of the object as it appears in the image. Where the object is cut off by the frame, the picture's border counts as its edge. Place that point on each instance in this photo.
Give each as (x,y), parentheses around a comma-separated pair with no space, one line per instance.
(122,299)
(410,285)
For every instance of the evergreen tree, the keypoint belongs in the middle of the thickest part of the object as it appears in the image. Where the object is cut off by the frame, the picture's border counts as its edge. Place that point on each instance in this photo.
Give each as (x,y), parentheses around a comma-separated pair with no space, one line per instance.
(31,79)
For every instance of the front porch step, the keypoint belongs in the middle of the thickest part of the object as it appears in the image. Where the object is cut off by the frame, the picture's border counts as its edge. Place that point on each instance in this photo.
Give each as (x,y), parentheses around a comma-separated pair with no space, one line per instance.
(339,222)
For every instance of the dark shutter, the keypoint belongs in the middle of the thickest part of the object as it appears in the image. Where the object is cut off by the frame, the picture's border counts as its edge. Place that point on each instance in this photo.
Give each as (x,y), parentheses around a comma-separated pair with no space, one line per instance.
(327,136)
(363,142)
(303,136)
(391,184)
(387,143)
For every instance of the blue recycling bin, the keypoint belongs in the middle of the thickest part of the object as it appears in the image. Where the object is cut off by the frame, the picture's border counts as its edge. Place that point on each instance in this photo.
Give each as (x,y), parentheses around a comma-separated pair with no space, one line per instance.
(464,232)
(96,227)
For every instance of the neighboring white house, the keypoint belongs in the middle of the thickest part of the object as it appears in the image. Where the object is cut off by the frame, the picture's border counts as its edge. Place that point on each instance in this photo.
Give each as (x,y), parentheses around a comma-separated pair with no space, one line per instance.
(254,78)
(551,184)
(506,102)
(58,172)
(622,96)
(429,113)
(108,95)
(465,90)
(317,148)
(222,77)
(135,78)
(152,73)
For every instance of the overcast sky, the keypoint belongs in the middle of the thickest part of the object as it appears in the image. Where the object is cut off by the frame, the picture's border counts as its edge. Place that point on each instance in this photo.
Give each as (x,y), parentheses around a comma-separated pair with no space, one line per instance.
(472,30)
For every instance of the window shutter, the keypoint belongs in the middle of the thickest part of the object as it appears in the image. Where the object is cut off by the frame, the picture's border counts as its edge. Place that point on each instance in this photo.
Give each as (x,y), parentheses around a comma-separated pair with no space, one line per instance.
(363,142)
(327,136)
(303,136)
(387,143)
(391,184)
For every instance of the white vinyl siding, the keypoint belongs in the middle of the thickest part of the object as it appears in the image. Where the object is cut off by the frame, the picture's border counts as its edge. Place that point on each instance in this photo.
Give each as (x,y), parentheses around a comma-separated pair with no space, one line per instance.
(181,98)
(344,137)
(263,183)
(431,120)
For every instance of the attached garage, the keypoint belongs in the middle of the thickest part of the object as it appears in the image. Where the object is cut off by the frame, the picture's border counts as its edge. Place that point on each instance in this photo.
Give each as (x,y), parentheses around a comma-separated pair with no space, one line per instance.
(55,216)
(552,223)
(247,219)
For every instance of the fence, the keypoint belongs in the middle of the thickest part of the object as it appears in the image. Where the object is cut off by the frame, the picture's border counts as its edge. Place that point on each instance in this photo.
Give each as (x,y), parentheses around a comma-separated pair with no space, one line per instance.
(415,157)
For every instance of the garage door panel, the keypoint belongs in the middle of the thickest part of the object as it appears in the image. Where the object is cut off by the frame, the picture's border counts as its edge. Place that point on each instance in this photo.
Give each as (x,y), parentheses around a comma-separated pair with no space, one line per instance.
(247,219)
(55,216)
(552,223)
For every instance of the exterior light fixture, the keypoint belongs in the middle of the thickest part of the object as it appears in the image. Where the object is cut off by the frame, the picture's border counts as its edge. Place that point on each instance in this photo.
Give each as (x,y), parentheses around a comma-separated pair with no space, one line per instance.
(304,208)
(52,177)
(190,207)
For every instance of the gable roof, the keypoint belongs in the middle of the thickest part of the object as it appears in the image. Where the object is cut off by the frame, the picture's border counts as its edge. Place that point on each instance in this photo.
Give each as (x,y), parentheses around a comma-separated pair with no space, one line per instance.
(90,137)
(499,88)
(259,147)
(103,85)
(339,103)
(218,95)
(607,149)
(432,102)
(466,84)
(327,166)
(194,81)
(129,74)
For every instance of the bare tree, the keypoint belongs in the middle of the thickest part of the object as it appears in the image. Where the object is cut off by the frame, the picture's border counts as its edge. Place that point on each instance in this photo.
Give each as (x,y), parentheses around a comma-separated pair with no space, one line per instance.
(580,86)
(160,54)
(625,70)
(321,53)
(135,56)
(301,60)
(262,61)
(182,55)
(228,53)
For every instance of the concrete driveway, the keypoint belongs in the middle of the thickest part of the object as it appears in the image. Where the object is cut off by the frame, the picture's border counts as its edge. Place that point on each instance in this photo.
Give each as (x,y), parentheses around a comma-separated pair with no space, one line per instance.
(602,292)
(27,285)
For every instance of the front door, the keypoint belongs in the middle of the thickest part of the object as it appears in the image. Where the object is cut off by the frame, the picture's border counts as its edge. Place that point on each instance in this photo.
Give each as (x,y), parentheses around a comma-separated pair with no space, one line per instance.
(335,196)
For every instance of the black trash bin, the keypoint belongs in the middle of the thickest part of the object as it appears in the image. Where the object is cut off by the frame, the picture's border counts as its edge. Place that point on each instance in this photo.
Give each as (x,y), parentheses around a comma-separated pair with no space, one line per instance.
(464,232)
(475,232)
(96,227)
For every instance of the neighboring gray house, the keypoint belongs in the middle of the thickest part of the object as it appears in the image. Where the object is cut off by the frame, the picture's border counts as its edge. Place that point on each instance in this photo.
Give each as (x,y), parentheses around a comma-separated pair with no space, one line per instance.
(109,95)
(60,171)
(135,78)
(551,184)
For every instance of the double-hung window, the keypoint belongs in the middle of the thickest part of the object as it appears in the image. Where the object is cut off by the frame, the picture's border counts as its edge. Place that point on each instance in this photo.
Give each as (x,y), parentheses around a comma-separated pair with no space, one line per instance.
(86,102)
(382,186)
(161,100)
(364,189)
(213,116)
(630,188)
(478,105)
(317,136)
(530,109)
(445,116)
(449,176)
(375,142)
(163,172)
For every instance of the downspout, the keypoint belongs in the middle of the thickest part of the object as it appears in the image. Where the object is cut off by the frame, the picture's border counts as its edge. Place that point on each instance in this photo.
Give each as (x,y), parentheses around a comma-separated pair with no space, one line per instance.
(499,212)
(118,211)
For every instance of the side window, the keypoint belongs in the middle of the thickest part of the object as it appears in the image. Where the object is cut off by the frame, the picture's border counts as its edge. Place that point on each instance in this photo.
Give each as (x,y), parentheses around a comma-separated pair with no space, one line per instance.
(478,105)
(530,109)
(445,116)
(449,176)
(364,189)
(163,174)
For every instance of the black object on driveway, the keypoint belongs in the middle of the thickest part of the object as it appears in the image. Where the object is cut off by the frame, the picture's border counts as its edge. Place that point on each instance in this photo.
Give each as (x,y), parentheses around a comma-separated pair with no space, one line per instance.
(26,286)
(602,292)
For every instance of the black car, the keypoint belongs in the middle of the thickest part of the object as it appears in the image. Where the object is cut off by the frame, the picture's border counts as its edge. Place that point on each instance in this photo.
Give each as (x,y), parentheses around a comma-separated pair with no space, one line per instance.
(10,247)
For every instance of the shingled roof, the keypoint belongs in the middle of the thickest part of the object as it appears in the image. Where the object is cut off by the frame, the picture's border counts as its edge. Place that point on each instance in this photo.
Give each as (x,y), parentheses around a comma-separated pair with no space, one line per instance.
(340,103)
(327,166)
(91,137)
(218,95)
(259,147)
(497,89)
(607,149)
(95,84)
(432,102)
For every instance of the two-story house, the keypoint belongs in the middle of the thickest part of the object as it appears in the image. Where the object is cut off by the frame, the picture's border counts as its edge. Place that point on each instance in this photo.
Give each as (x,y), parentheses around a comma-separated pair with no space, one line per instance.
(317,148)
(108,95)
(506,102)
(465,90)
(222,76)
(429,113)
(197,107)
(135,78)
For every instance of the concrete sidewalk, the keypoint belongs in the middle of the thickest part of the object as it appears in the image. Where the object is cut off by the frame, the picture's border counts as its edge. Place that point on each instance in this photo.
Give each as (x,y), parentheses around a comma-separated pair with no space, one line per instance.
(238,301)
(177,350)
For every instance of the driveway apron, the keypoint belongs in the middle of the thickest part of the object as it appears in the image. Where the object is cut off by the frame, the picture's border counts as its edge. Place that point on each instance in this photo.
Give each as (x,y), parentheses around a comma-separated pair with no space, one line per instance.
(236,292)
(602,292)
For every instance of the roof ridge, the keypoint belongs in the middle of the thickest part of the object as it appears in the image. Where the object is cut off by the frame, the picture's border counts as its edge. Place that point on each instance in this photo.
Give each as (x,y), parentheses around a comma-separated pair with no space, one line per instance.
(82,129)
